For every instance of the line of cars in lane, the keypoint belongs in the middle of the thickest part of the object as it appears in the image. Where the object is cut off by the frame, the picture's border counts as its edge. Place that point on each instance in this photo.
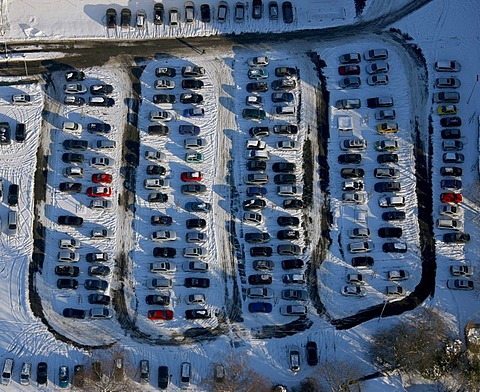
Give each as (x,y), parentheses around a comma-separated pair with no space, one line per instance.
(377,68)
(73,90)
(387,173)
(258,155)
(90,185)
(450,212)
(238,14)
(194,253)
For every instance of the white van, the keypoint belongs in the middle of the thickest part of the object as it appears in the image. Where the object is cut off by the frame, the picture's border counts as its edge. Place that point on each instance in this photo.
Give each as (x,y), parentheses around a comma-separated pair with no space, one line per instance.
(26,373)
(12,222)
(185,372)
(7,371)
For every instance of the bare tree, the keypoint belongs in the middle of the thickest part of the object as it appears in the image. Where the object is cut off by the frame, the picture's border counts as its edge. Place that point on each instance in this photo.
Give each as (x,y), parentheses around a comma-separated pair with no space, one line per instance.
(110,371)
(239,377)
(339,375)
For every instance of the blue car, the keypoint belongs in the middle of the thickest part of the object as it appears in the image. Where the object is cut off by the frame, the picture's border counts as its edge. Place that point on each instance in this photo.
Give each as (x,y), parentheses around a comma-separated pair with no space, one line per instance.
(256,191)
(260,307)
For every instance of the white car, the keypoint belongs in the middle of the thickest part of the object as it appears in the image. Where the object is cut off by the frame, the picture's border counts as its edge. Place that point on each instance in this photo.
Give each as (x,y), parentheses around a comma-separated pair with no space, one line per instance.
(361,247)
(287,145)
(101,313)
(254,144)
(155,156)
(195,143)
(353,291)
(447,66)
(163,267)
(353,144)
(69,126)
(359,232)
(195,299)
(450,224)
(74,88)
(253,218)
(378,67)
(259,61)
(450,210)
(163,235)
(161,115)
(395,290)
(159,283)
(354,186)
(355,279)
(293,310)
(21,99)
(67,256)
(196,237)
(101,204)
(164,84)
(289,190)
(254,100)
(195,266)
(101,162)
(377,80)
(385,114)
(396,275)
(259,292)
(69,243)
(461,270)
(195,252)
(354,197)
(155,183)
(101,234)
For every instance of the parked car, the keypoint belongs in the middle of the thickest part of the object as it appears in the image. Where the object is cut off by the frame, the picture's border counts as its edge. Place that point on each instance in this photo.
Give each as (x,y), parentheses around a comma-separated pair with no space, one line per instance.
(197,282)
(394,247)
(390,232)
(351,82)
(260,307)
(287,10)
(447,66)
(376,54)
(352,173)
(460,284)
(288,221)
(259,279)
(353,291)
(349,70)
(289,250)
(456,238)
(451,122)
(312,353)
(259,292)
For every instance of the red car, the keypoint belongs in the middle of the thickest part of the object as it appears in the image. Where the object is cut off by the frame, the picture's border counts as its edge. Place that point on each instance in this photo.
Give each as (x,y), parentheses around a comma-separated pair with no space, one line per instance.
(451,198)
(99,191)
(102,177)
(192,176)
(349,70)
(160,314)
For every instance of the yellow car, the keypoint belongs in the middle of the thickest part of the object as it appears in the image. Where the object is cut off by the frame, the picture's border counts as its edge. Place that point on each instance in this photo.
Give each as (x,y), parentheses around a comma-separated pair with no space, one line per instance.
(387,127)
(446,109)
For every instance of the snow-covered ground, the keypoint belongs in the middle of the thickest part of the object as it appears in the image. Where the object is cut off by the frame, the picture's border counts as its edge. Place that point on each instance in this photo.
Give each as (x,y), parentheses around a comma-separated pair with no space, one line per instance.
(442,30)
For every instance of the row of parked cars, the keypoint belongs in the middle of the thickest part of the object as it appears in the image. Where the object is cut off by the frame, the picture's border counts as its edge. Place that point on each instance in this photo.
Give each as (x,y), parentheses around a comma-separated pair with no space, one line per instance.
(92,185)
(73,90)
(194,253)
(190,14)
(258,157)
(446,98)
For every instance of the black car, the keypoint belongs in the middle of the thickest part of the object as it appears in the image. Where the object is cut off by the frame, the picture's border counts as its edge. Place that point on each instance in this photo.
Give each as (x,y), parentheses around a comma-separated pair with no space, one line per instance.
(285,129)
(101,100)
(393,215)
(394,247)
(164,98)
(312,354)
(387,158)
(164,252)
(99,127)
(289,264)
(99,270)
(263,265)
(451,133)
(283,167)
(288,221)
(161,130)
(205,13)
(380,102)
(451,171)
(70,284)
(194,314)
(259,131)
(288,234)
(196,223)
(352,173)
(20,132)
(71,313)
(350,158)
(161,220)
(158,13)
(96,284)
(256,165)
(260,279)
(69,220)
(99,299)
(157,197)
(70,157)
(285,179)
(293,204)
(282,97)
(163,377)
(111,17)
(42,368)
(100,89)
(12,198)
(191,98)
(286,72)
(388,186)
(257,87)
(197,282)
(75,144)
(261,251)
(193,189)
(287,12)
(459,238)
(192,84)
(71,187)
(189,129)
(125,17)
(72,76)
(78,379)
(155,170)
(257,9)
(257,238)
(67,270)
(157,299)
(390,232)
(362,261)
(451,122)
